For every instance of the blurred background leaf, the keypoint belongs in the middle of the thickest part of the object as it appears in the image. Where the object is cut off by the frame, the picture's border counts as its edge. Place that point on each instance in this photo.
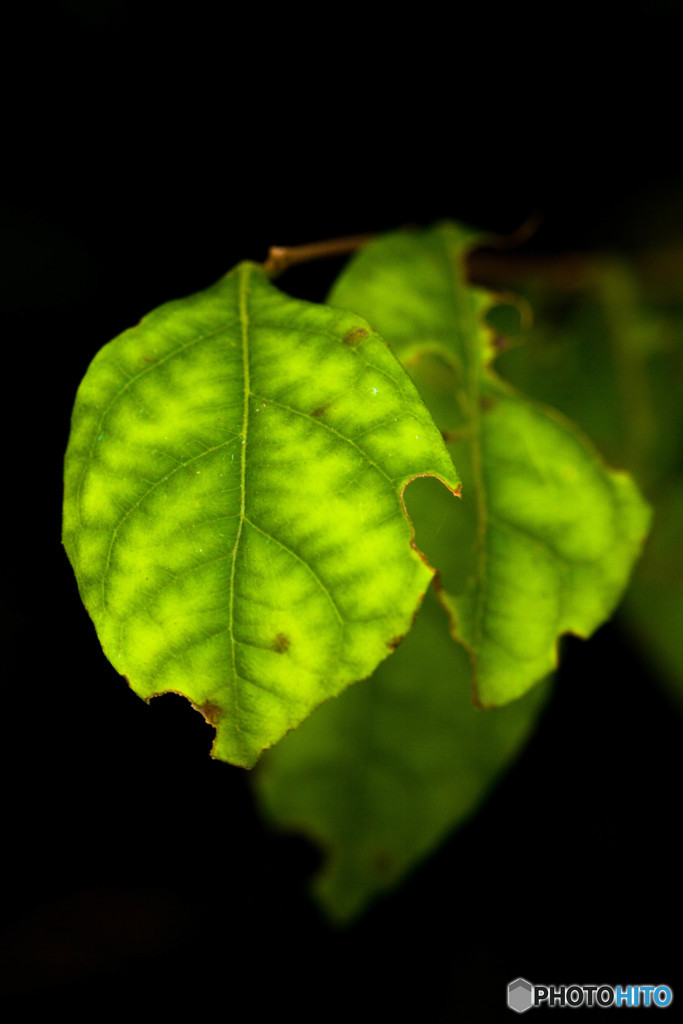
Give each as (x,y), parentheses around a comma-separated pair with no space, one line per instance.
(608,351)
(379,775)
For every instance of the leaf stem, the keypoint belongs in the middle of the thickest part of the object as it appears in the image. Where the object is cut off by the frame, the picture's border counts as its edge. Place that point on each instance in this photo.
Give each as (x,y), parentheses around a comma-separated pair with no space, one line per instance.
(282,257)
(490,267)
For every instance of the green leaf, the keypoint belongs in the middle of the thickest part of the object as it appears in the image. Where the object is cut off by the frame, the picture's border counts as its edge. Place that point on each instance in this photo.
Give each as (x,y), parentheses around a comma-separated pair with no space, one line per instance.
(379,776)
(654,604)
(614,363)
(602,357)
(548,535)
(234,506)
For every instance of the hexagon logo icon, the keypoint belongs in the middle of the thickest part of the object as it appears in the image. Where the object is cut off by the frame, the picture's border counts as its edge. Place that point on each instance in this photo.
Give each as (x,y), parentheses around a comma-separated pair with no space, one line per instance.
(520,995)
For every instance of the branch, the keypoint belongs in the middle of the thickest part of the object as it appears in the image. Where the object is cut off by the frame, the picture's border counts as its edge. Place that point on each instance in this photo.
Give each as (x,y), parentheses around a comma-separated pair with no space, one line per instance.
(281,257)
(502,266)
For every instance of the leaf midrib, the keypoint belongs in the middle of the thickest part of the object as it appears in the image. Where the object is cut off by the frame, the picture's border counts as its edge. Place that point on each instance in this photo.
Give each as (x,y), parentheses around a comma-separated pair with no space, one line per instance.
(243,291)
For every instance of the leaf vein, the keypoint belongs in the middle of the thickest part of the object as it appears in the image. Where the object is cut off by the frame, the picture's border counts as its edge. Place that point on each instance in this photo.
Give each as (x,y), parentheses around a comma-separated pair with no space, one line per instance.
(143,497)
(326,426)
(305,564)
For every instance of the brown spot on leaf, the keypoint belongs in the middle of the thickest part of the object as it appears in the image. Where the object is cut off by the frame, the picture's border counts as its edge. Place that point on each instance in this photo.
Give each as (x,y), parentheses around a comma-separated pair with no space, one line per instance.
(394,642)
(281,643)
(211,712)
(355,335)
(501,343)
(319,411)
(486,402)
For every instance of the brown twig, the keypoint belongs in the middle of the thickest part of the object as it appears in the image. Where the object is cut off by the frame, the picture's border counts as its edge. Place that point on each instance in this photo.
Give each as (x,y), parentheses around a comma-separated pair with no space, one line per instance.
(281,257)
(496,266)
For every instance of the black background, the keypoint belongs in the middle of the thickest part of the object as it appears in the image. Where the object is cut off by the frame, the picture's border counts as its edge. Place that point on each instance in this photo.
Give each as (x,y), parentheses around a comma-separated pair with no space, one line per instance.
(149,151)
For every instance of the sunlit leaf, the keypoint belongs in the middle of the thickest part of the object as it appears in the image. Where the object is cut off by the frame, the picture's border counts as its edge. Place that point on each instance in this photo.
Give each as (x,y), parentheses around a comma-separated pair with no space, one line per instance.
(548,535)
(234,505)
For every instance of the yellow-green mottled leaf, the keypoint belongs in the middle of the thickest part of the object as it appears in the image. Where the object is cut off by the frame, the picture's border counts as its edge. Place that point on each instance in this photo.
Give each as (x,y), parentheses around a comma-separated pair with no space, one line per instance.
(547,534)
(233,505)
